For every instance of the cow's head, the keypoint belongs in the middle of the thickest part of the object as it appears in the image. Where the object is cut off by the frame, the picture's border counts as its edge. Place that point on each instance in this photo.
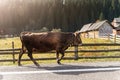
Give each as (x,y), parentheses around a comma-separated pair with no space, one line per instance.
(77,39)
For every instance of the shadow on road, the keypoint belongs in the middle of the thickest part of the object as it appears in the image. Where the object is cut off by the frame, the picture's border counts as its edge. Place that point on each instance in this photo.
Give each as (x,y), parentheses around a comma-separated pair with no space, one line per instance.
(68,67)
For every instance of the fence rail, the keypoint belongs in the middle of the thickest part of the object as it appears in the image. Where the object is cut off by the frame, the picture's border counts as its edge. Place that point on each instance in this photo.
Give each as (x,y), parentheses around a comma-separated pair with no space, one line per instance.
(76,50)
(114,38)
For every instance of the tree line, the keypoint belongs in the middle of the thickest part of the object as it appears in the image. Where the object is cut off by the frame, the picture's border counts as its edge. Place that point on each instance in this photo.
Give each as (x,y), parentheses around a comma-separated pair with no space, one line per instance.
(67,15)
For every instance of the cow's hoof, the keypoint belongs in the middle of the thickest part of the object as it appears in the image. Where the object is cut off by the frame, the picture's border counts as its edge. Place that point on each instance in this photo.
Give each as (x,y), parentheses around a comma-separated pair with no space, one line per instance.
(59,62)
(37,65)
(19,64)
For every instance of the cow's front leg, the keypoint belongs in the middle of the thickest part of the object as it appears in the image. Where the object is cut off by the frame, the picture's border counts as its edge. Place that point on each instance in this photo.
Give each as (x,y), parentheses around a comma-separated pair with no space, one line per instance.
(31,57)
(59,59)
(19,58)
(62,55)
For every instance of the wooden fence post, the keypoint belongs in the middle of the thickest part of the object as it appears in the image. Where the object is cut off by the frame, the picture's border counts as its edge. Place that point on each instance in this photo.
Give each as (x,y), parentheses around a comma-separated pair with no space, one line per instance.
(115,38)
(13,52)
(94,34)
(76,53)
(109,37)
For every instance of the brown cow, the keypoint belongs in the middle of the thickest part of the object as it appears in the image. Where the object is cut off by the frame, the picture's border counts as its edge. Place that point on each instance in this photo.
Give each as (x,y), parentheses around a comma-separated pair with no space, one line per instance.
(47,41)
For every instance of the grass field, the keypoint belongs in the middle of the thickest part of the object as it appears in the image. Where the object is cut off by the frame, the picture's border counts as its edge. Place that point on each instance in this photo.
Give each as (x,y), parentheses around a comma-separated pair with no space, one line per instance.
(7,44)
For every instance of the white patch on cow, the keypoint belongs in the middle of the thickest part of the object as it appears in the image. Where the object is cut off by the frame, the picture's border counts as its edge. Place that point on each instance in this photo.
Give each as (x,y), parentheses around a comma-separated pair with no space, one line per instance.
(39,33)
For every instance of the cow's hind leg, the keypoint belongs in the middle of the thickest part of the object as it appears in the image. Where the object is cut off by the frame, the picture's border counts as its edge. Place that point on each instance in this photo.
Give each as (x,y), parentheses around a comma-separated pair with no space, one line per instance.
(31,57)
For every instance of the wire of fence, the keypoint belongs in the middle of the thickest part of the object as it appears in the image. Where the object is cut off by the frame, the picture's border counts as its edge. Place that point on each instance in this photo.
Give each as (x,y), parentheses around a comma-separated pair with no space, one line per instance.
(13,51)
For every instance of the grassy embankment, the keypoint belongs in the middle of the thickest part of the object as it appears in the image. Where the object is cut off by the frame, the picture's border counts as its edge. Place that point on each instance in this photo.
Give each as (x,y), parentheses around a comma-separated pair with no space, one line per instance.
(7,43)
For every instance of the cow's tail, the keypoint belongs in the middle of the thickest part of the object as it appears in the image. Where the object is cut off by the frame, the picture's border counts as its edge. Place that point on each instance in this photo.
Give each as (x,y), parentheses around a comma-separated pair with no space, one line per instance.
(23,49)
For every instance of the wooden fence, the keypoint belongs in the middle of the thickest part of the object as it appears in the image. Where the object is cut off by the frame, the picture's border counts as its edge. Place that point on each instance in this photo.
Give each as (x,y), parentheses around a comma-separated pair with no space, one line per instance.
(114,38)
(76,50)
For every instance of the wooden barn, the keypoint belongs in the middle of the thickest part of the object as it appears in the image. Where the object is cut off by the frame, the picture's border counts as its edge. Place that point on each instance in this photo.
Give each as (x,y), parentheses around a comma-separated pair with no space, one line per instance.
(84,30)
(116,22)
(96,30)
(117,30)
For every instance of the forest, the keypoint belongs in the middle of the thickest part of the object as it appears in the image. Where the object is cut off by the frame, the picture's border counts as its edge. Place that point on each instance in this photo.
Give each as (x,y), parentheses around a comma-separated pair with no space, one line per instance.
(67,15)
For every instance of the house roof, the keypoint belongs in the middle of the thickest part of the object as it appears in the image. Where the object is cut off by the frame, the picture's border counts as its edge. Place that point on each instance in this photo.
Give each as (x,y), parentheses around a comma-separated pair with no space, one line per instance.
(85,27)
(97,25)
(93,26)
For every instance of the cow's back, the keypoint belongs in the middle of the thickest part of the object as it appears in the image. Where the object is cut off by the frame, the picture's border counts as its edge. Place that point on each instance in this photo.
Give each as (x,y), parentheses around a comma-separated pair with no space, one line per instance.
(46,41)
